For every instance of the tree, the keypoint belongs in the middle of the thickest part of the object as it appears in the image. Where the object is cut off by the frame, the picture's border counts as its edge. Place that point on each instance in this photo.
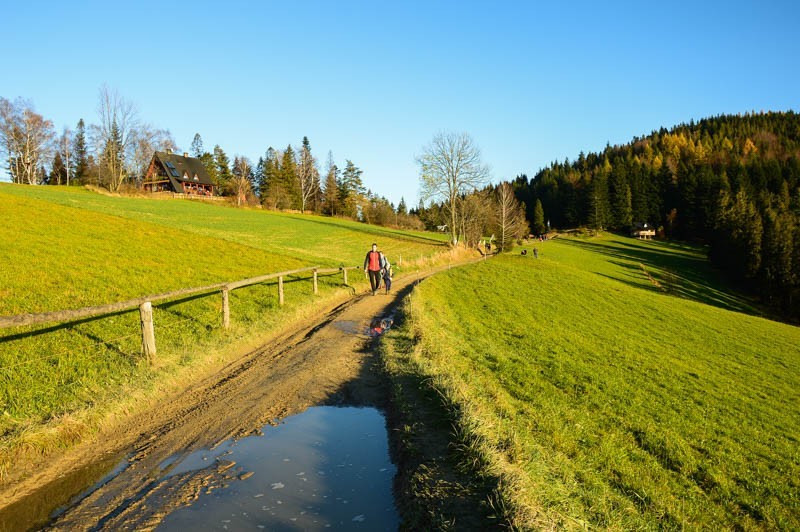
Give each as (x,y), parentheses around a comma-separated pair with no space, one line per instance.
(222,168)
(145,141)
(307,175)
(80,153)
(197,146)
(330,201)
(270,182)
(402,209)
(511,223)
(289,181)
(59,171)
(241,182)
(351,190)
(450,166)
(114,134)
(65,150)
(27,140)
(538,218)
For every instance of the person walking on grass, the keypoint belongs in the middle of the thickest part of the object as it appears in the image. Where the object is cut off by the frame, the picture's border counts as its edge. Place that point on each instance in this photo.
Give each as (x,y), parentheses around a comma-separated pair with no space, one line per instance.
(372,266)
(386,272)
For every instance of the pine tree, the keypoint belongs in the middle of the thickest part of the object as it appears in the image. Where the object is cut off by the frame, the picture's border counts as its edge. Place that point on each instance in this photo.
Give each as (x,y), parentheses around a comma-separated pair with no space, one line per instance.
(538,218)
(80,154)
(271,188)
(223,169)
(352,189)
(58,174)
(402,209)
(288,180)
(330,200)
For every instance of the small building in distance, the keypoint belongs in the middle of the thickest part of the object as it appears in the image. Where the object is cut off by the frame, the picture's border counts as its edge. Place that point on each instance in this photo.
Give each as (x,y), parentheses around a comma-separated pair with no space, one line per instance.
(643,231)
(169,172)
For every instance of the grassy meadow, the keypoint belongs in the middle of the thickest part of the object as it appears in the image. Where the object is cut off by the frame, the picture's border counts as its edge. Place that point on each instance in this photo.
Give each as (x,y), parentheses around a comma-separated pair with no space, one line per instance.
(613,383)
(70,248)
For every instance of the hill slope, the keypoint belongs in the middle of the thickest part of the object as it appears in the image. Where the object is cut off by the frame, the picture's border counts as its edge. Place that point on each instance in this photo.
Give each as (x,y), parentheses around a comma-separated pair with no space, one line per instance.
(599,399)
(70,248)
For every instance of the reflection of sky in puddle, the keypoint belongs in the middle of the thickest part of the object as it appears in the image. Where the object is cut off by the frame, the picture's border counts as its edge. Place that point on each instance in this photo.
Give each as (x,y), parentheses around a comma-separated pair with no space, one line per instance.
(328,467)
(350,327)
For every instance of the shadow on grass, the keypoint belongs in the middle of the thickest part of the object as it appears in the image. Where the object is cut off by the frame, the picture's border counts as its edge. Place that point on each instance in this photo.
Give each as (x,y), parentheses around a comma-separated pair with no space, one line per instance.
(675,269)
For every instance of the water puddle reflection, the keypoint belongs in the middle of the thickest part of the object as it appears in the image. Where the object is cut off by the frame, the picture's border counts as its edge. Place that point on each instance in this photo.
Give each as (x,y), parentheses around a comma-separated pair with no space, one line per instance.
(327,468)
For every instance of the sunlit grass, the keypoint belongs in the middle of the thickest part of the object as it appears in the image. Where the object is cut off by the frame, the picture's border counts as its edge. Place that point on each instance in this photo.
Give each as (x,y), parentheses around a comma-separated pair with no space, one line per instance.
(604,400)
(69,248)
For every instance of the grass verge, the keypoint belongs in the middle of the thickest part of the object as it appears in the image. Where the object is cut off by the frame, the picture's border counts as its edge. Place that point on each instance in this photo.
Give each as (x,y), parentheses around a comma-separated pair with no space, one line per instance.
(596,399)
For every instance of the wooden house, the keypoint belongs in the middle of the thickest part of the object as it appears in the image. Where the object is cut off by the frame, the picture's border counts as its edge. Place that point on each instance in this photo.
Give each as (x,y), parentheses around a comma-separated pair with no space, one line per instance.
(169,172)
(642,231)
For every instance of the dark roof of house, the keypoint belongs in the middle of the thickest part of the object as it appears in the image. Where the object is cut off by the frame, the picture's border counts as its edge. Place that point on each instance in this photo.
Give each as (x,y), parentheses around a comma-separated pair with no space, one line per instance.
(182,169)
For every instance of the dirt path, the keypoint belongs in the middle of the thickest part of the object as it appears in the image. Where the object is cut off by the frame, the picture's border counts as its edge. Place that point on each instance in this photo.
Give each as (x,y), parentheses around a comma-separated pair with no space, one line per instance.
(327,362)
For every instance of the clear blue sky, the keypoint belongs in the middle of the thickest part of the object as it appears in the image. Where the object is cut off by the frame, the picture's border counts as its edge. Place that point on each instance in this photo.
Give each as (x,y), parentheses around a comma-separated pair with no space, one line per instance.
(532,82)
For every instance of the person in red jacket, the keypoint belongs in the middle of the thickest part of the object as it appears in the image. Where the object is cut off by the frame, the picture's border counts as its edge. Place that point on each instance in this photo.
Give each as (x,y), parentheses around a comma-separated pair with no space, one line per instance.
(372,265)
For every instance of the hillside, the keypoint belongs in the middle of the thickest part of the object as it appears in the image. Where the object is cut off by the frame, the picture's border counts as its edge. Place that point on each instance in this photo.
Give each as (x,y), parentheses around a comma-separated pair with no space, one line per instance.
(71,248)
(732,182)
(612,383)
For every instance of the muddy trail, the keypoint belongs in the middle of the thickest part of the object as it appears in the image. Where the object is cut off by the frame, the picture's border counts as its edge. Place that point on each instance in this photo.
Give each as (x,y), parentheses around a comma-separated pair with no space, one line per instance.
(327,362)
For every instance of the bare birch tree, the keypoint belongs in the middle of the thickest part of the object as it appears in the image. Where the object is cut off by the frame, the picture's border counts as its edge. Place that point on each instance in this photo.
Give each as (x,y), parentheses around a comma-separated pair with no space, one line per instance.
(27,140)
(145,141)
(307,175)
(114,134)
(450,166)
(65,147)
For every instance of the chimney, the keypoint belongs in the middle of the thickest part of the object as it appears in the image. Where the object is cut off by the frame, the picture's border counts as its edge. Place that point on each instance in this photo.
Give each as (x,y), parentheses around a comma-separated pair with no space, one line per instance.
(186,154)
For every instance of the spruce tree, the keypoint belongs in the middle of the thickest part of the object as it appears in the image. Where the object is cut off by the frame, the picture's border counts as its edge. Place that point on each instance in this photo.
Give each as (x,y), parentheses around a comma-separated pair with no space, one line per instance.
(402,209)
(80,167)
(58,174)
(538,218)
(330,202)
(223,168)
(288,178)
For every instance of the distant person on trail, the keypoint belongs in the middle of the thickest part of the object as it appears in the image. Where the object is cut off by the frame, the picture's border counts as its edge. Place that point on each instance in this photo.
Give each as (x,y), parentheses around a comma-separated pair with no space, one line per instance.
(372,266)
(386,272)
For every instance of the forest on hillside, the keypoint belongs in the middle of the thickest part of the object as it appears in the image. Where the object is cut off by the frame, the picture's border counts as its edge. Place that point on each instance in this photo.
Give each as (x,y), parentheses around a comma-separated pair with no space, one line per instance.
(731,181)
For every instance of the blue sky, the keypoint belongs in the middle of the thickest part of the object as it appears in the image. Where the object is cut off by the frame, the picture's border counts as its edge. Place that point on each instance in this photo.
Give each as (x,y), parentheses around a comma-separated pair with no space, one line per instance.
(532,82)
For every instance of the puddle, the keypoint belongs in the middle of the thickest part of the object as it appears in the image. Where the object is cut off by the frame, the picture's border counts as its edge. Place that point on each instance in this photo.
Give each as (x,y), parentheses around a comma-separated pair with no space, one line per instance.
(377,326)
(328,467)
(52,499)
(350,327)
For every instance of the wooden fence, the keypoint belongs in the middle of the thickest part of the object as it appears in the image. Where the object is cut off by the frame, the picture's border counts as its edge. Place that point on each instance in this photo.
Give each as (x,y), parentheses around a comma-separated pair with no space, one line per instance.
(145,304)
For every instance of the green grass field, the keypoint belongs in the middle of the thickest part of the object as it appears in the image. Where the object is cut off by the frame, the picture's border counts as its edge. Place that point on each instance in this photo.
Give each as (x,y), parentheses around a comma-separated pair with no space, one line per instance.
(70,248)
(604,397)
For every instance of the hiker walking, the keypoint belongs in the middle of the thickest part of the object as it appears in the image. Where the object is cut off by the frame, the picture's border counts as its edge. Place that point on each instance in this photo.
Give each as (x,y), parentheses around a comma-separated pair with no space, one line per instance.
(372,266)
(386,272)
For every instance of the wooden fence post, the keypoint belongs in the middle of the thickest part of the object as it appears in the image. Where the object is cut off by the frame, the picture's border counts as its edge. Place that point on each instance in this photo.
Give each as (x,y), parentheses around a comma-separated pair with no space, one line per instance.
(316,287)
(148,331)
(344,273)
(226,309)
(280,290)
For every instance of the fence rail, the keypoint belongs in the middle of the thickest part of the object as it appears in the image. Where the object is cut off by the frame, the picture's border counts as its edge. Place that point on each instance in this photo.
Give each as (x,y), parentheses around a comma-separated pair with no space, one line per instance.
(145,304)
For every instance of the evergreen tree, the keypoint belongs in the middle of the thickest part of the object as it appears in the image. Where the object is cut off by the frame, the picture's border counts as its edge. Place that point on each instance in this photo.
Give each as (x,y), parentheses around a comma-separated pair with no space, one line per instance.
(331,193)
(223,169)
(402,210)
(351,190)
(58,174)
(288,180)
(80,154)
(271,188)
(538,218)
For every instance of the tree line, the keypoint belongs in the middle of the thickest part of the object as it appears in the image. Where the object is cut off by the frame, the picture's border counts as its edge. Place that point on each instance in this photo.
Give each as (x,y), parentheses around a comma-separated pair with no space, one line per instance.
(115,153)
(730,181)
